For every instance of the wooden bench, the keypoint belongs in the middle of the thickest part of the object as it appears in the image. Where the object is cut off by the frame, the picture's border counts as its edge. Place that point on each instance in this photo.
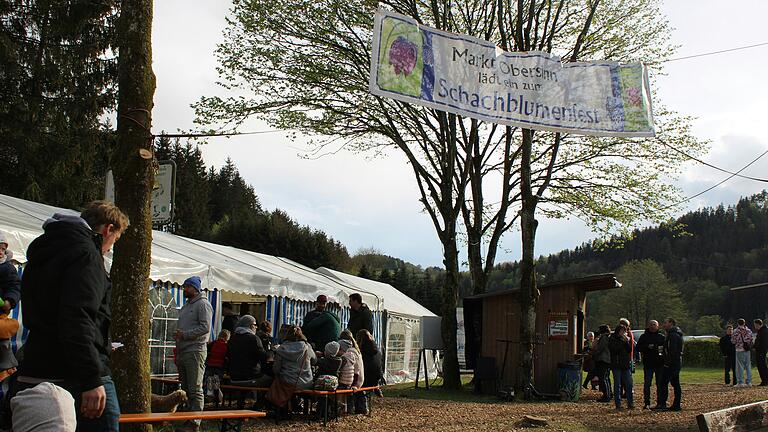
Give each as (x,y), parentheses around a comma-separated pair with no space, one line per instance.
(324,394)
(231,421)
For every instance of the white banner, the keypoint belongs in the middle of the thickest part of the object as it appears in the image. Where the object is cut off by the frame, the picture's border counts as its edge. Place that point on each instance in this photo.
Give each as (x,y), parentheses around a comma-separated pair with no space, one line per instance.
(474,78)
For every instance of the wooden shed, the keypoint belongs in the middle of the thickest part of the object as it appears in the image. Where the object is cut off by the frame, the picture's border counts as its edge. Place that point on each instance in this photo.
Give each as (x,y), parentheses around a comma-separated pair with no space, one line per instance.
(492,326)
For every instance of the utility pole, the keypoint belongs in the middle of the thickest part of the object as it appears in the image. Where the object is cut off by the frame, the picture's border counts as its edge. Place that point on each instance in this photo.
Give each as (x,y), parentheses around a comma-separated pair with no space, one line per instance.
(133,164)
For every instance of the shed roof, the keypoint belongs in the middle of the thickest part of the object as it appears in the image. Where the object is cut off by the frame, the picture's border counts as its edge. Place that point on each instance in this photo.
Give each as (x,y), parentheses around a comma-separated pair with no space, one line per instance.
(744,287)
(599,282)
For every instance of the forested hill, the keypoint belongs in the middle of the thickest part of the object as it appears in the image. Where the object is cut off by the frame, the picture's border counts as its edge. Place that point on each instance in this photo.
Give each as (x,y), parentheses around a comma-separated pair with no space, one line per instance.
(682,269)
(725,245)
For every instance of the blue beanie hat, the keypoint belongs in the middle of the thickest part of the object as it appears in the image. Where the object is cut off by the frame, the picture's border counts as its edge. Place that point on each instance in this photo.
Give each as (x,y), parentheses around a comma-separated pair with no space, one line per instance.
(194,282)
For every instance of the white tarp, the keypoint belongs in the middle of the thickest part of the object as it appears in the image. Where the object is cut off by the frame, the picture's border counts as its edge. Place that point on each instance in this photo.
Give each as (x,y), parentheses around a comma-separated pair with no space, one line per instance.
(176,258)
(394,300)
(472,77)
(226,268)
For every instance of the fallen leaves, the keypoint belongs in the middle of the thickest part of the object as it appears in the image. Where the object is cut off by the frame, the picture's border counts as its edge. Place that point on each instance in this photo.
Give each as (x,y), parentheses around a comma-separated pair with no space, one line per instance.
(408,414)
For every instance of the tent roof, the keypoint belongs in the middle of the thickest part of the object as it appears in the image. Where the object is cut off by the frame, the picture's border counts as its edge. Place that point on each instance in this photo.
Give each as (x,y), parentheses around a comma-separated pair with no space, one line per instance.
(175,258)
(394,300)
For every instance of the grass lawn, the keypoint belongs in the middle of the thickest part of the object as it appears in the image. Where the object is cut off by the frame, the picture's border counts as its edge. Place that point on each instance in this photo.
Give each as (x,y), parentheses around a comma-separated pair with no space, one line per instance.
(436,392)
(709,376)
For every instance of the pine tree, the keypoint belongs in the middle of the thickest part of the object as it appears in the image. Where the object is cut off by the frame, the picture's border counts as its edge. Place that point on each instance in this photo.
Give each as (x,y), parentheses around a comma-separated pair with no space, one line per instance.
(364,272)
(57,79)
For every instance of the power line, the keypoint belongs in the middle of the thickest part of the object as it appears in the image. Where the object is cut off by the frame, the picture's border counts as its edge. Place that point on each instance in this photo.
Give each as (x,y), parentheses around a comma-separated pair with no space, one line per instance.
(710,165)
(214,134)
(719,183)
(712,53)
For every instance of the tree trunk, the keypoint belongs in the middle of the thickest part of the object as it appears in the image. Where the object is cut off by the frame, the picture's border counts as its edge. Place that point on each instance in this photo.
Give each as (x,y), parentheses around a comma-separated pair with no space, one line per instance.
(528,291)
(451,372)
(134,177)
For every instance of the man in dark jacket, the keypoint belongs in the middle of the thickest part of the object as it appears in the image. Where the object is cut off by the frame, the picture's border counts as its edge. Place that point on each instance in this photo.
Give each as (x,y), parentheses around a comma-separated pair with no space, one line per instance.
(673,362)
(320,325)
(66,295)
(360,316)
(728,350)
(761,348)
(651,345)
(9,277)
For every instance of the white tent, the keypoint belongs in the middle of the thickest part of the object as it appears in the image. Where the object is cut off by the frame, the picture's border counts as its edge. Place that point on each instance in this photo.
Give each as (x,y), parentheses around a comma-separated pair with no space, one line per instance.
(402,319)
(290,288)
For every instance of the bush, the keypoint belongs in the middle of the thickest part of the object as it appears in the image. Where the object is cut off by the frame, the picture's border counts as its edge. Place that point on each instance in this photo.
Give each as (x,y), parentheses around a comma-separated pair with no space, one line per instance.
(702,353)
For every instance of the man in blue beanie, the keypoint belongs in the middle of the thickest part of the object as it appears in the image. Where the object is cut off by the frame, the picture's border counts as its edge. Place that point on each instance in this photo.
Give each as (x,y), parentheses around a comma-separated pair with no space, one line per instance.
(193,330)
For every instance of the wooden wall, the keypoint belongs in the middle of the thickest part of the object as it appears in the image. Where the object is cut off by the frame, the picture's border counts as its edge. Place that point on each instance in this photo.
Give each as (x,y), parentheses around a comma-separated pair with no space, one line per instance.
(501,322)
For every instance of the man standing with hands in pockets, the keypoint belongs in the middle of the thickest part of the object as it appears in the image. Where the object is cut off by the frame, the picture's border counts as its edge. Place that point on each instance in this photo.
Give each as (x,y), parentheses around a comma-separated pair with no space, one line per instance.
(192,334)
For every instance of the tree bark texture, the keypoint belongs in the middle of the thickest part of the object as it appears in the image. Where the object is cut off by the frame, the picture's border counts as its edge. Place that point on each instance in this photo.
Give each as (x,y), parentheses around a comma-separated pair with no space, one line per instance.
(134,177)
(450,213)
(528,291)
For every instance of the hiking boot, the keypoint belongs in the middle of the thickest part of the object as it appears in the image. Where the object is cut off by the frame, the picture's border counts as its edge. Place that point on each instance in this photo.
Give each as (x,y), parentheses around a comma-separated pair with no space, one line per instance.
(659,408)
(675,408)
(619,408)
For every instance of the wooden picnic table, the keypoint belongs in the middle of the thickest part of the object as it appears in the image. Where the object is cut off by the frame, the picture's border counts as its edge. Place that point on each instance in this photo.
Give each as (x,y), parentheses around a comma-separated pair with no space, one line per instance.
(229,419)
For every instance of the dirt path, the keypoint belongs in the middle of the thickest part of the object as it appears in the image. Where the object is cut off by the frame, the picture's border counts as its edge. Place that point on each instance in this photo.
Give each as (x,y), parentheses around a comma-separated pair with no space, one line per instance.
(402,414)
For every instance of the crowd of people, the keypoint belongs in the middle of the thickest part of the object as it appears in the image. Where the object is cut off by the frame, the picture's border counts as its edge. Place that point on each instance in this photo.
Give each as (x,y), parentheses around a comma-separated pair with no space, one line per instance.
(317,355)
(736,346)
(614,354)
(611,356)
(60,379)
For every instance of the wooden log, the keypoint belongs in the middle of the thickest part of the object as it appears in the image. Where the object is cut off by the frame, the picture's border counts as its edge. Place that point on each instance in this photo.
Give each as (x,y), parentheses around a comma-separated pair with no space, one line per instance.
(742,418)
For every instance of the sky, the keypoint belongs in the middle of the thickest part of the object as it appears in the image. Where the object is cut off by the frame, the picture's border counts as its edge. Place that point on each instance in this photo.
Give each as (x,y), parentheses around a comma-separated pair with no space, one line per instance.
(365,201)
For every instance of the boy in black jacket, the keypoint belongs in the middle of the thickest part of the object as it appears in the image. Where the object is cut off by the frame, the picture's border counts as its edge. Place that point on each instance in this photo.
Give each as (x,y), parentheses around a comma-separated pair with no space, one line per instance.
(673,362)
(66,294)
(728,350)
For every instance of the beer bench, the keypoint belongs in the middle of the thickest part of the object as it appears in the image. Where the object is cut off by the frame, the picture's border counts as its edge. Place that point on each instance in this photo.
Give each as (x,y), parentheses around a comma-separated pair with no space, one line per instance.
(231,420)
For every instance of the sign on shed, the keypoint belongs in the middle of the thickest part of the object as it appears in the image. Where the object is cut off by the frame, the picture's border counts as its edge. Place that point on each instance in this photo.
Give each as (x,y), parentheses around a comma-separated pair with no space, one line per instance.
(163,192)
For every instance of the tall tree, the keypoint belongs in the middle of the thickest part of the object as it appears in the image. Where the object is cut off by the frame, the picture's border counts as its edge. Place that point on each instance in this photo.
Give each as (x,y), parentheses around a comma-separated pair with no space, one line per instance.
(57,80)
(134,176)
(450,155)
(646,294)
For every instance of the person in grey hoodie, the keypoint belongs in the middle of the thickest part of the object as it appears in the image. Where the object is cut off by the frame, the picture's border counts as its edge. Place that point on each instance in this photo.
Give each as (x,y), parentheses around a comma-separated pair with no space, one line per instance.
(193,331)
(294,359)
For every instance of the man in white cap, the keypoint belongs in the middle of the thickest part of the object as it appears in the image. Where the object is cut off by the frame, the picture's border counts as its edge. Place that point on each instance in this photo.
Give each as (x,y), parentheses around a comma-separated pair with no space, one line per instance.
(9,277)
(192,334)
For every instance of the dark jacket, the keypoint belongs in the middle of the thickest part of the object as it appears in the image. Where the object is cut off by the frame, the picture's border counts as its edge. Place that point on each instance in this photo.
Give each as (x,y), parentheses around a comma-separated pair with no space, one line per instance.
(266,340)
(66,298)
(9,282)
(651,345)
(229,322)
(602,353)
(329,366)
(761,340)
(727,348)
(371,365)
(246,356)
(322,328)
(621,350)
(360,319)
(673,348)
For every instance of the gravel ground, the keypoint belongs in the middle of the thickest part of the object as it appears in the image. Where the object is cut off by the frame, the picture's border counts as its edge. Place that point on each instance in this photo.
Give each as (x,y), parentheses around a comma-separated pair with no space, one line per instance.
(406,414)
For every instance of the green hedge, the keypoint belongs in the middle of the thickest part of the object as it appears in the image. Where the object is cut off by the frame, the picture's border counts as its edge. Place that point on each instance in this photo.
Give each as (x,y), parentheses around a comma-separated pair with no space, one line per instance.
(702,353)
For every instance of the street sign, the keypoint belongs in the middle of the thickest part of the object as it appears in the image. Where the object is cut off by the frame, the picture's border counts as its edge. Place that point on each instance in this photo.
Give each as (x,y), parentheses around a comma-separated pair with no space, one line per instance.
(163,192)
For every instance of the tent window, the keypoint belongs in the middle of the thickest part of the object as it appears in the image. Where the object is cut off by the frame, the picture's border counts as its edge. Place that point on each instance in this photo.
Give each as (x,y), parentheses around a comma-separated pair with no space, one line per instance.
(164,314)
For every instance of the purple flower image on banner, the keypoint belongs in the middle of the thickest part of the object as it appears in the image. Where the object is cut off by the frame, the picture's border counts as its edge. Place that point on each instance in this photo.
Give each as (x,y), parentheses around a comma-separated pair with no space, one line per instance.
(403,55)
